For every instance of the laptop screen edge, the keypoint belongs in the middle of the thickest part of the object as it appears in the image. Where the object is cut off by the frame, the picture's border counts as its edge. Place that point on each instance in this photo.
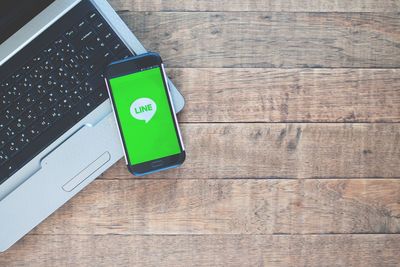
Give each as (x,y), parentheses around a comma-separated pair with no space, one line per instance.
(34,27)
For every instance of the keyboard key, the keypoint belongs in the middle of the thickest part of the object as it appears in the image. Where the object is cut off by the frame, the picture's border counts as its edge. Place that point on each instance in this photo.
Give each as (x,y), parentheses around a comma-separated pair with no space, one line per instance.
(11,149)
(48,51)
(125,53)
(50,80)
(47,66)
(57,59)
(70,35)
(3,157)
(86,36)
(116,48)
(22,140)
(27,67)
(90,104)
(3,137)
(64,105)
(33,132)
(54,114)
(41,90)
(4,120)
(81,74)
(10,132)
(13,111)
(36,75)
(59,42)
(78,113)
(24,84)
(9,114)
(86,89)
(30,98)
(98,24)
(67,49)
(5,84)
(29,116)
(15,127)
(14,78)
(18,106)
(5,100)
(92,16)
(83,24)
(44,122)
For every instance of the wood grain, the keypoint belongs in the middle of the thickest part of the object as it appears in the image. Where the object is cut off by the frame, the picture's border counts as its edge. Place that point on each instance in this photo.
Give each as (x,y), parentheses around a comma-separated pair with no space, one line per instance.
(215,250)
(264,39)
(262,150)
(294,95)
(293,141)
(230,207)
(259,5)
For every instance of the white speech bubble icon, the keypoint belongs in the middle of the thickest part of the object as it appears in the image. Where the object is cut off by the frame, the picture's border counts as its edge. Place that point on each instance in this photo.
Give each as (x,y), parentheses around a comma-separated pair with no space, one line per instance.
(143,109)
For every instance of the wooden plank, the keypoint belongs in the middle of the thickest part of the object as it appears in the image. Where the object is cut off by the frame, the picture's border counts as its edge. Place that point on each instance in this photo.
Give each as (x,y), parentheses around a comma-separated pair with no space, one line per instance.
(289,95)
(263,39)
(230,250)
(230,207)
(260,5)
(262,150)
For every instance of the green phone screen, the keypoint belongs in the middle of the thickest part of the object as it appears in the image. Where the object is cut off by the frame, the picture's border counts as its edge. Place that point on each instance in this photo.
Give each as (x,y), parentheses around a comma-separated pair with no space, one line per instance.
(143,110)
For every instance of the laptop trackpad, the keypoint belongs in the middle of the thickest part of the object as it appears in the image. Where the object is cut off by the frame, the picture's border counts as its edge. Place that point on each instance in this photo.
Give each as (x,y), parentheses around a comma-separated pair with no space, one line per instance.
(82,155)
(84,174)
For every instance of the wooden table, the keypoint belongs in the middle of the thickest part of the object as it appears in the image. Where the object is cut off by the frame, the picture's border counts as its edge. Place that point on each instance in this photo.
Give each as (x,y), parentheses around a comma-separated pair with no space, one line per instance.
(293,141)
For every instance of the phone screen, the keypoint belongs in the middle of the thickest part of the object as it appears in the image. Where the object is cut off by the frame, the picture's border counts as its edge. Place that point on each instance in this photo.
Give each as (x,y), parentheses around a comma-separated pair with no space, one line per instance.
(145,116)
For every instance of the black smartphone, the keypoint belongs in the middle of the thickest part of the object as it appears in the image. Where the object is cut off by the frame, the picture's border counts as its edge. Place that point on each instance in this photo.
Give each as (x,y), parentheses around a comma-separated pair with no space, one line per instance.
(145,115)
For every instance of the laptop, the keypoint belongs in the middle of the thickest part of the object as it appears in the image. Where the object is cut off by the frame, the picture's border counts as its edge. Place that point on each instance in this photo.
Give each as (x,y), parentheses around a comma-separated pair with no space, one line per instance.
(57,131)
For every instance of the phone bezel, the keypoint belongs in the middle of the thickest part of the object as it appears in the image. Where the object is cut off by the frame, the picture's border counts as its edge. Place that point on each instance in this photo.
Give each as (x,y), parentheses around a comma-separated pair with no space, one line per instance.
(130,66)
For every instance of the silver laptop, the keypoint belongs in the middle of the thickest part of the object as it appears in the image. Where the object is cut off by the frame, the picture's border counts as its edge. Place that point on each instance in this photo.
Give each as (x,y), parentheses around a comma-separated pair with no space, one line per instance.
(57,132)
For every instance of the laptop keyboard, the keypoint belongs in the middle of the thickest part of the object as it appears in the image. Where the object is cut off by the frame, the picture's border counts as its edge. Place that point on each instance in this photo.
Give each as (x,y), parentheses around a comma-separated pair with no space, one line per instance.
(54,90)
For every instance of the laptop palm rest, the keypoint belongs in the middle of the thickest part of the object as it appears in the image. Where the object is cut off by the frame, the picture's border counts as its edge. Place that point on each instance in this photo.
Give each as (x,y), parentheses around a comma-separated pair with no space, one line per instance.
(63,173)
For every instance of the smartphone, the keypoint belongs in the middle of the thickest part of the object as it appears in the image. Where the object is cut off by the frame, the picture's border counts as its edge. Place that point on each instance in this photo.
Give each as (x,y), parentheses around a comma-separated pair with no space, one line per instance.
(146,119)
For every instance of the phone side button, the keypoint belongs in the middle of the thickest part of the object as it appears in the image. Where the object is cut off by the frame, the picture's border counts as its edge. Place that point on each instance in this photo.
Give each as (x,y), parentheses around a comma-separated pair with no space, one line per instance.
(85,173)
